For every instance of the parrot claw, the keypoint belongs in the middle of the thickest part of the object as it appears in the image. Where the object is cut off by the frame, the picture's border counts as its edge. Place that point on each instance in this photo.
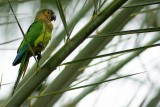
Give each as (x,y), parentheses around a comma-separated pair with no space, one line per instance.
(39,56)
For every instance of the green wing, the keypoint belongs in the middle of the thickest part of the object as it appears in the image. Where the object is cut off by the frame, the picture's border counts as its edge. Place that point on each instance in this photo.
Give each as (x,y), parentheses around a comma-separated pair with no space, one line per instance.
(32,34)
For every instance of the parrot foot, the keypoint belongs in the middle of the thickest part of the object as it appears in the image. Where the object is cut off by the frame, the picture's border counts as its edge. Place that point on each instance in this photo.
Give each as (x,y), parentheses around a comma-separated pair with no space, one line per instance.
(41,44)
(39,56)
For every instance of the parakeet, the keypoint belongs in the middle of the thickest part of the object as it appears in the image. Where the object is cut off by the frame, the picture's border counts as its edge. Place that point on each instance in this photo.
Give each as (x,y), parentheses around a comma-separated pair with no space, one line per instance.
(37,36)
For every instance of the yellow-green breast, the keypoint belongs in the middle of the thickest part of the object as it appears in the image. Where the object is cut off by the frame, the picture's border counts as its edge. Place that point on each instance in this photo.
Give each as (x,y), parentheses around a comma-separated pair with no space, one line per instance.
(45,35)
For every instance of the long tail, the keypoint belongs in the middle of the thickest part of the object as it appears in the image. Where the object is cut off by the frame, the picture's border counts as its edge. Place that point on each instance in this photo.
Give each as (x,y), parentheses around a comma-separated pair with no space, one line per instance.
(22,70)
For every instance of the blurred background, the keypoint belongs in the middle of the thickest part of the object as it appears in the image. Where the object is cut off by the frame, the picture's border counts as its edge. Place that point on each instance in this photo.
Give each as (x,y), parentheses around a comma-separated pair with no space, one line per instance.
(139,17)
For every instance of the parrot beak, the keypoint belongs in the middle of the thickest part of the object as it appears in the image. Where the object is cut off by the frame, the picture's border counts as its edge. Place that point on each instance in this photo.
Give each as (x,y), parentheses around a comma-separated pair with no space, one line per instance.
(53,17)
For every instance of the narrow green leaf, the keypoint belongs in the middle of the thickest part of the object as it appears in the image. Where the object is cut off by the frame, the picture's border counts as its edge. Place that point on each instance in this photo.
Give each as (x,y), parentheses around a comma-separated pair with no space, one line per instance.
(80,69)
(114,53)
(76,19)
(146,3)
(6,84)
(126,32)
(59,6)
(102,4)
(11,22)
(3,43)
(146,11)
(84,86)
(95,2)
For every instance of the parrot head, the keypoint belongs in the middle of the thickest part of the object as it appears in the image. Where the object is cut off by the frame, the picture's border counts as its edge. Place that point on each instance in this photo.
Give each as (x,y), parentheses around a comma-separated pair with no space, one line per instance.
(45,15)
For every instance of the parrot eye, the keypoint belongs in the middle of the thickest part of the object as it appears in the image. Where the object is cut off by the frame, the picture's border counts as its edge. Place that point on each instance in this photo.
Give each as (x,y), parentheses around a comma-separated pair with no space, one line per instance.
(48,12)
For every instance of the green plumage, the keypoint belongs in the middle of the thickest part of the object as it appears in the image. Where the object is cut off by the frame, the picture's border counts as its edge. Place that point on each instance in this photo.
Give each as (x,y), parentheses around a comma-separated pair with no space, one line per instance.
(37,36)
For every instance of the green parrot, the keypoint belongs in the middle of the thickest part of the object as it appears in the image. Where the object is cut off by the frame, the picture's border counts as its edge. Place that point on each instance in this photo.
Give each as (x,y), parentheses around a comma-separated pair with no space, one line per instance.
(37,36)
